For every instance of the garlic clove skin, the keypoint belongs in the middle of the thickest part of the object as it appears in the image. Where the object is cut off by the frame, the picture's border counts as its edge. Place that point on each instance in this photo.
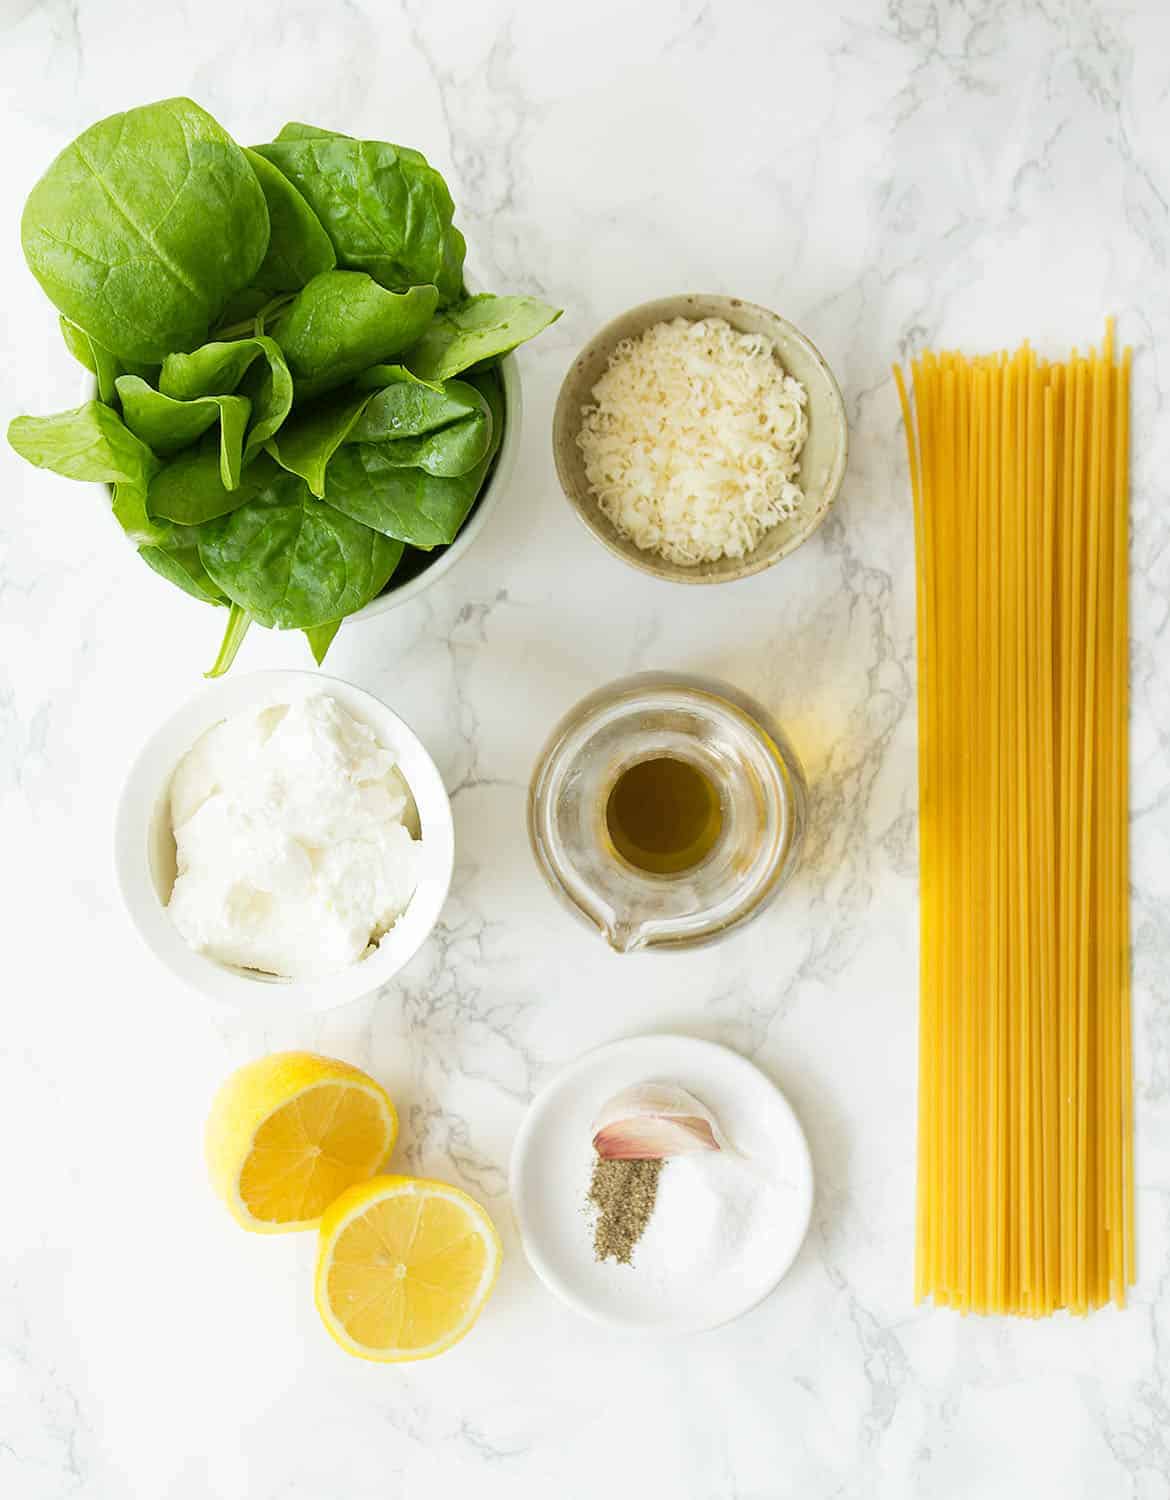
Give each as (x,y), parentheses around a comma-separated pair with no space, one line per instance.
(654,1120)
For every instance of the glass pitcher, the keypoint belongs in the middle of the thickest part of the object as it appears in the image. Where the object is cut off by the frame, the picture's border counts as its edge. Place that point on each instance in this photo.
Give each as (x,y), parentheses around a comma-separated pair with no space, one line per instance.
(742,754)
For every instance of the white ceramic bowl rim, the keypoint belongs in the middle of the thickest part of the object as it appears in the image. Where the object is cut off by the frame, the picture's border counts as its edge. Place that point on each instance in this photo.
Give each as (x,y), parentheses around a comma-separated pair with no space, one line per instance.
(145,801)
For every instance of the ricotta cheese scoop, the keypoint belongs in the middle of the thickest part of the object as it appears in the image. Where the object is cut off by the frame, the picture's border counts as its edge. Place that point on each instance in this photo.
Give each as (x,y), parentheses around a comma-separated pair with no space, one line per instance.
(292,846)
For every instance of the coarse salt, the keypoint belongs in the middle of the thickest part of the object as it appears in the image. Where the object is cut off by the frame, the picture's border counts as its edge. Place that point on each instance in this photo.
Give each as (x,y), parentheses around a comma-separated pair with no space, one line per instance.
(715,1214)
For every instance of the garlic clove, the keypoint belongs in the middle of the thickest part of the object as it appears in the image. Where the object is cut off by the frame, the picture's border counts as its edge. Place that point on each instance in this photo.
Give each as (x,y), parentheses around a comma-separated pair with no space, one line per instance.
(654,1120)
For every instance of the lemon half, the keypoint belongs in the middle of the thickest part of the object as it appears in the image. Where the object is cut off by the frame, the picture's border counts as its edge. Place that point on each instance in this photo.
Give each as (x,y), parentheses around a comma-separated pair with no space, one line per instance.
(404,1267)
(289,1133)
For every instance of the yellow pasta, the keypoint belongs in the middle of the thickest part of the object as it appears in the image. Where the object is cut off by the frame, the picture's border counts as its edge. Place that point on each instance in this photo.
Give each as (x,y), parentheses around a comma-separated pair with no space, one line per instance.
(1020,471)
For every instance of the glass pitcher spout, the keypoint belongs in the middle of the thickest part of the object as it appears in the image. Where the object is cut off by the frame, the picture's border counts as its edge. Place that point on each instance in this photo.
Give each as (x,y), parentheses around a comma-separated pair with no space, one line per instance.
(624,937)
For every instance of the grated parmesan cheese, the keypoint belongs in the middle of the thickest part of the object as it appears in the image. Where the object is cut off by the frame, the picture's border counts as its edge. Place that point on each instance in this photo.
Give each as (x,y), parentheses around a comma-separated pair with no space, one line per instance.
(692,444)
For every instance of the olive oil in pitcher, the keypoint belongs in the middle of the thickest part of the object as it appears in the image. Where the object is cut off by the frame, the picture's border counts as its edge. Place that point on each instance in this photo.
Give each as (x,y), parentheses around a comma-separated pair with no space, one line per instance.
(663,815)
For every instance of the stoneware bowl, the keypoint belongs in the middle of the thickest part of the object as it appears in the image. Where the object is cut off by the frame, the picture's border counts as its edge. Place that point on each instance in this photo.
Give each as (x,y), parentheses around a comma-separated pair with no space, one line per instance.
(822,464)
(144,847)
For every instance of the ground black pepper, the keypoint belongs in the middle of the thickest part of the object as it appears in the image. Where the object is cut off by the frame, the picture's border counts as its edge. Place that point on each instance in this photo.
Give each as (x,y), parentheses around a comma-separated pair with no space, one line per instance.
(623,1193)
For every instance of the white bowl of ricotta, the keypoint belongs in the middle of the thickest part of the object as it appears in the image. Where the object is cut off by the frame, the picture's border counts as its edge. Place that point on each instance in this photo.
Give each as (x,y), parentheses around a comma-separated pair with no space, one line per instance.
(299,899)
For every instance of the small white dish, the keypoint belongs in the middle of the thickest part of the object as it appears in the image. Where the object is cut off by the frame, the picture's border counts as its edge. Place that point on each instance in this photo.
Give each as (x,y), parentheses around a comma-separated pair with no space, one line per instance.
(552,1160)
(144,846)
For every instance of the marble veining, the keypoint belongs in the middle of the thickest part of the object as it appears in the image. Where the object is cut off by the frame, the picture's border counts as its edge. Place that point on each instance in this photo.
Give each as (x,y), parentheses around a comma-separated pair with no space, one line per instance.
(886,173)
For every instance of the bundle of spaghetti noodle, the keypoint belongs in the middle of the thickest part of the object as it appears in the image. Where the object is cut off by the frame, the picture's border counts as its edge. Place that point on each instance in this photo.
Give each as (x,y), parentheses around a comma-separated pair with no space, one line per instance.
(1019,470)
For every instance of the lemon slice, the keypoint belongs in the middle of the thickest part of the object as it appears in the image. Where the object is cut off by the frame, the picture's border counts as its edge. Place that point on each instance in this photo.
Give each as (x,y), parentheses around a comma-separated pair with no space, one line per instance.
(289,1133)
(404,1267)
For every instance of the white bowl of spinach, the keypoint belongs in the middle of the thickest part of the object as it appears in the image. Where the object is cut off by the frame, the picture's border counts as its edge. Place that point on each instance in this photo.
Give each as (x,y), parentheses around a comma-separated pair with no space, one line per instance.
(298,404)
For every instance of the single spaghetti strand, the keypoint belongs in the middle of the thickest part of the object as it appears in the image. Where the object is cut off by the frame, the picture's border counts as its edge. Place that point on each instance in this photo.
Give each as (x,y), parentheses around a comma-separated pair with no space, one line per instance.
(993,652)
(1006,727)
(968,647)
(1111,748)
(1077,732)
(1121,640)
(1033,1237)
(926,1037)
(1091,836)
(929,409)
(1046,799)
(980,907)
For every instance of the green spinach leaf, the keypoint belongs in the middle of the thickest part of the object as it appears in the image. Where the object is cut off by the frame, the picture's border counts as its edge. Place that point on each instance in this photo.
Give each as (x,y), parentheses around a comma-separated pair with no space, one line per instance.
(387,211)
(143,228)
(294,130)
(297,251)
(88,442)
(233,638)
(475,330)
(165,425)
(294,562)
(403,406)
(446,447)
(252,367)
(305,445)
(181,566)
(343,322)
(377,377)
(190,489)
(423,509)
(320,638)
(104,366)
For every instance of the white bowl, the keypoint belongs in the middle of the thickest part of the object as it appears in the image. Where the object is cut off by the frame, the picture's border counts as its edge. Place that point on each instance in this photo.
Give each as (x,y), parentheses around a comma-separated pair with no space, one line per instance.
(144,846)
(552,1159)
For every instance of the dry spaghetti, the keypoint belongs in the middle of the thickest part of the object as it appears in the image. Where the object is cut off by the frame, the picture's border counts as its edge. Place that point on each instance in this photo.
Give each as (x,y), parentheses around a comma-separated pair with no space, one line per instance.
(1020,475)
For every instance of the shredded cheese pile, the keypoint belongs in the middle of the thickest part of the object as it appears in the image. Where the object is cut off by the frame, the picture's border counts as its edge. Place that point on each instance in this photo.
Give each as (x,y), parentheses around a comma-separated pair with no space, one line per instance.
(692,444)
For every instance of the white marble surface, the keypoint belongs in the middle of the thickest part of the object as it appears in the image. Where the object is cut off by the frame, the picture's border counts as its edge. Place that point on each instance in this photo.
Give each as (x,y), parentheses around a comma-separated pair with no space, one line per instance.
(884,175)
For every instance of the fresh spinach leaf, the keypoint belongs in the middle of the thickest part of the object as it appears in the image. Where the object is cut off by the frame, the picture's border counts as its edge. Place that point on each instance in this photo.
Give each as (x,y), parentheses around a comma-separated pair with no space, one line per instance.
(403,406)
(104,366)
(387,211)
(343,322)
(190,489)
(475,330)
(89,442)
(294,130)
(320,638)
(379,376)
(252,367)
(233,638)
(408,504)
(143,228)
(298,247)
(402,409)
(181,566)
(416,507)
(166,425)
(448,449)
(305,445)
(294,562)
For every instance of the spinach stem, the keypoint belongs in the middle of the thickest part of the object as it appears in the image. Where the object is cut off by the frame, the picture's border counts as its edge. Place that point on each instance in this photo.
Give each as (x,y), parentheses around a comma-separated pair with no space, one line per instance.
(233,636)
(254,326)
